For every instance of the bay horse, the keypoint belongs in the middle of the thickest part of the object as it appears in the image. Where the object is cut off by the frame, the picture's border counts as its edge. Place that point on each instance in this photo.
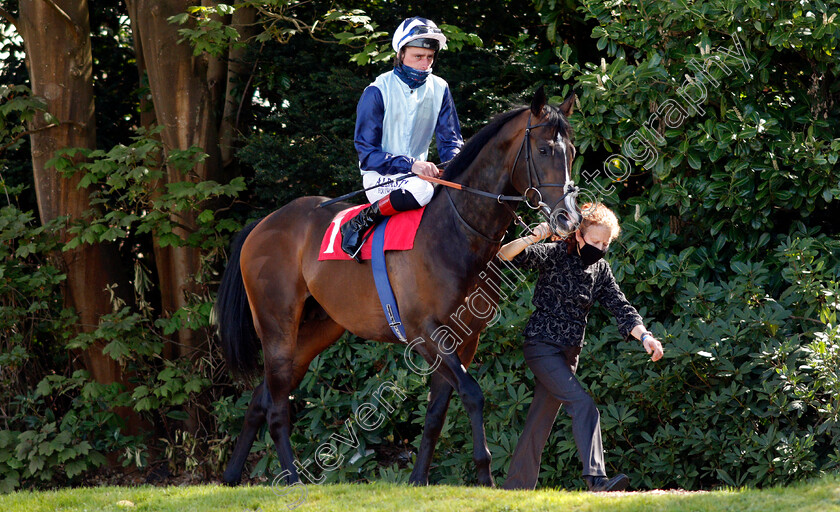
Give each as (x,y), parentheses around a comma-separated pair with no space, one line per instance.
(277,295)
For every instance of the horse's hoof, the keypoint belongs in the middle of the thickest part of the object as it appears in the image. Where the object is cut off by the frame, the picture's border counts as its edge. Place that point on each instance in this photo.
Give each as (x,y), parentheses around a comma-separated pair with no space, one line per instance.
(418,482)
(231,481)
(487,482)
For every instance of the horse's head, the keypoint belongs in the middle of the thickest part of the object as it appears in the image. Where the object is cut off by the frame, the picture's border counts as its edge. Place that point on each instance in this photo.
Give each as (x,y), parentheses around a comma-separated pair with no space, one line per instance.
(543,165)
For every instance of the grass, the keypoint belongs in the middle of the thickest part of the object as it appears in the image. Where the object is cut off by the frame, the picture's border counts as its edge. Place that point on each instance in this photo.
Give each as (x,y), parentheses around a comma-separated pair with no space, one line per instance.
(821,495)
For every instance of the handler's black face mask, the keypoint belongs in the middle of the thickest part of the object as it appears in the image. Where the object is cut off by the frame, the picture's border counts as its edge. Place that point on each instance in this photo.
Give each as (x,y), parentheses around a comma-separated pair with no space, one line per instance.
(590,254)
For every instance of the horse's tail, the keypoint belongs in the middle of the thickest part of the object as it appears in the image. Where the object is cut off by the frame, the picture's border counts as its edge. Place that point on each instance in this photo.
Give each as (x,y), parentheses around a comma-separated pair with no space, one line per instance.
(240,343)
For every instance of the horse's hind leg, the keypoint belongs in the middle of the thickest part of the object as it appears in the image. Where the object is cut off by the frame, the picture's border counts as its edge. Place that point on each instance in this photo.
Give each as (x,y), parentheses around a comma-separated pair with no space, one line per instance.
(319,335)
(278,377)
(254,420)
(287,355)
(441,392)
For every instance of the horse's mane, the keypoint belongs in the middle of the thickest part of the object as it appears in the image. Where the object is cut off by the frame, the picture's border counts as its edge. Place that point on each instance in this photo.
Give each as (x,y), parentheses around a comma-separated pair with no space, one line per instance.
(470,151)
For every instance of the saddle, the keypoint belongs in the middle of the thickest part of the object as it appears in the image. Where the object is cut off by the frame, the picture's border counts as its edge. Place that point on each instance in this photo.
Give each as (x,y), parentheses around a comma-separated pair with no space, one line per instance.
(399,234)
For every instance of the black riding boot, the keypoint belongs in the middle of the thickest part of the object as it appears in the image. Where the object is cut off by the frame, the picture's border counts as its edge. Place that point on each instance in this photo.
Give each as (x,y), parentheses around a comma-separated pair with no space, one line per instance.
(353,231)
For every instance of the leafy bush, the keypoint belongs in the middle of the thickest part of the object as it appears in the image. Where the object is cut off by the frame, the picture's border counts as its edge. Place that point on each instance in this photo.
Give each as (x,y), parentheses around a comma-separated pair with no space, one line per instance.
(730,245)
(56,428)
(59,423)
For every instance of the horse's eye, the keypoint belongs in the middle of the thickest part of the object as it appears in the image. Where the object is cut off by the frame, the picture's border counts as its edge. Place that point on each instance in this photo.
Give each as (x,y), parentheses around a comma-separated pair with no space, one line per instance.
(543,151)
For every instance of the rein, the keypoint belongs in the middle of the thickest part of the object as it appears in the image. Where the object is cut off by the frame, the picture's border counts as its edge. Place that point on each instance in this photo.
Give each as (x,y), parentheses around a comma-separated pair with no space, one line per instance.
(458,186)
(499,197)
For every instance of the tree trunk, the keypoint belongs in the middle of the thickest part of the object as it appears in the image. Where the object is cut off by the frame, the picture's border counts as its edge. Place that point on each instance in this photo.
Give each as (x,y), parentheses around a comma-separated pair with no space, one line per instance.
(183,105)
(147,112)
(56,36)
(244,21)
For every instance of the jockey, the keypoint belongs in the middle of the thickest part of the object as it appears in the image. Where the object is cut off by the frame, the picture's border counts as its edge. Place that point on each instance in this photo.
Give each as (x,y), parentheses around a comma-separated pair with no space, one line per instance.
(396,118)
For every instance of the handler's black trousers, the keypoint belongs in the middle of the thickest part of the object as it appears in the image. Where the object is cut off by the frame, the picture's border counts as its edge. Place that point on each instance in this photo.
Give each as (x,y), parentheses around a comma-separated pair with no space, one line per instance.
(554,369)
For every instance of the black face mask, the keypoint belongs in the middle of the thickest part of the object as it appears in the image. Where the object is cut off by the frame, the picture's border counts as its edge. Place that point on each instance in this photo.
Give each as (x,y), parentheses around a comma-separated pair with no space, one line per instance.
(590,255)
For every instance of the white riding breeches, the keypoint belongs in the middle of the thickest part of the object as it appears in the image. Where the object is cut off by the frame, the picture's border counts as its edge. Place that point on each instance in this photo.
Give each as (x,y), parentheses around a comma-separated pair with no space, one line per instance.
(421,190)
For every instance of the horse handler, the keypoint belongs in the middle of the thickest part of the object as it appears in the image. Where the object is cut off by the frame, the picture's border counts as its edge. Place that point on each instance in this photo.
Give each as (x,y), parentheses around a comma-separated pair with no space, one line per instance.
(572,276)
(396,118)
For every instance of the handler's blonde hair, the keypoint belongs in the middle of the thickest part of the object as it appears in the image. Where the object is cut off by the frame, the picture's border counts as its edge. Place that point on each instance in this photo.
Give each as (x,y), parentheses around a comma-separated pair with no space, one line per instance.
(598,214)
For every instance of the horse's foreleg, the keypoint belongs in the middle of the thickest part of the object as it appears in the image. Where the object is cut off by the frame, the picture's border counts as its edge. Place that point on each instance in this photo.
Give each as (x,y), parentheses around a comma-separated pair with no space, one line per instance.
(254,419)
(473,400)
(441,392)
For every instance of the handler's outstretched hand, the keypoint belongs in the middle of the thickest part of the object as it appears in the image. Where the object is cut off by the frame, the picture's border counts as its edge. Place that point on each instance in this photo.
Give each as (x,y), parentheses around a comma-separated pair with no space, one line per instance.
(653,347)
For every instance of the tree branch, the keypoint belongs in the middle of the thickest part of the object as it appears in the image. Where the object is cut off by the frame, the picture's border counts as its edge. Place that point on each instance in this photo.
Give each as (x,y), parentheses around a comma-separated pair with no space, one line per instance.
(808,319)
(11,19)
(77,32)
(39,129)
(25,133)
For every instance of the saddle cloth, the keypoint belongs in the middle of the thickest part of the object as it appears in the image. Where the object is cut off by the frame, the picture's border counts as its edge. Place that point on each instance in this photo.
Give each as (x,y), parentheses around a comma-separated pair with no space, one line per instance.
(399,234)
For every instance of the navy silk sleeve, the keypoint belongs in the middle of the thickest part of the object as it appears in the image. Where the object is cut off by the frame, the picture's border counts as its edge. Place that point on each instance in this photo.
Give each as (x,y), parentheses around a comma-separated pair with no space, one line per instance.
(448,129)
(368,137)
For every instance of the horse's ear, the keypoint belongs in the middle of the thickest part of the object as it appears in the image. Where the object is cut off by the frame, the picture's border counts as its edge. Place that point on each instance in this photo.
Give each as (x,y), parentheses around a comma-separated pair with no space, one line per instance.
(568,105)
(538,102)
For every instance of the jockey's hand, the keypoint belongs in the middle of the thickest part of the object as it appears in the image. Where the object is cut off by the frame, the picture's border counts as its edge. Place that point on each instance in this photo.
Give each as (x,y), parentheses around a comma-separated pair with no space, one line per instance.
(540,232)
(425,169)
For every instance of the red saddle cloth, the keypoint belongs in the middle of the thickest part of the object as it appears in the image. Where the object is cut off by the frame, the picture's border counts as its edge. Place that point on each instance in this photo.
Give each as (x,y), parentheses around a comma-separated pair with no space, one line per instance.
(399,234)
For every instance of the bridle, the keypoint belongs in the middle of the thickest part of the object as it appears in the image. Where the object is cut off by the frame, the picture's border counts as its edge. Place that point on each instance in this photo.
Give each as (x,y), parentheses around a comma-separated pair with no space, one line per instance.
(530,169)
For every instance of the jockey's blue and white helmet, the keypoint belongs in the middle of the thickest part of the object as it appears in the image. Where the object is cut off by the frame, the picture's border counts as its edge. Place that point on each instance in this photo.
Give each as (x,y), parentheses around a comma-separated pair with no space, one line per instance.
(418,32)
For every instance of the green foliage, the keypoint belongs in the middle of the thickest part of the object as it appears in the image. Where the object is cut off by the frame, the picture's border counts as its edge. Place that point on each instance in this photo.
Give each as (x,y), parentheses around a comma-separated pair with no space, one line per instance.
(362,33)
(60,423)
(208,30)
(376,45)
(61,426)
(17,108)
(318,156)
(726,406)
(730,240)
(130,195)
(54,449)
(209,33)
(129,201)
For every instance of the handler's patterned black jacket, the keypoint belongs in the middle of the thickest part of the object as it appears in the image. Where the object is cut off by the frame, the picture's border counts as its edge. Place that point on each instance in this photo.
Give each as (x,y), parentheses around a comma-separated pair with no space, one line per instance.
(565,292)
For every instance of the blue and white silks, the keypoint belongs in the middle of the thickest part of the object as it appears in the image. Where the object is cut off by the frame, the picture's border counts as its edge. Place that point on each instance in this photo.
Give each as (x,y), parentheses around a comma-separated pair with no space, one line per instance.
(395,124)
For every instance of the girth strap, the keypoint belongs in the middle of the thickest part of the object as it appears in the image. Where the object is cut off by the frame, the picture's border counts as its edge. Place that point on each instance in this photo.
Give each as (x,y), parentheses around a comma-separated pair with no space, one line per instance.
(383,283)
